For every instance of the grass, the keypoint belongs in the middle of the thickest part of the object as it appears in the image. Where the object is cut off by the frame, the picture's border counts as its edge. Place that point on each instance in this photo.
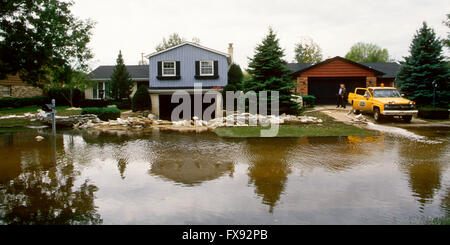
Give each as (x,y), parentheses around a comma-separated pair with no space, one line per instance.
(329,127)
(439,221)
(22,122)
(60,111)
(17,122)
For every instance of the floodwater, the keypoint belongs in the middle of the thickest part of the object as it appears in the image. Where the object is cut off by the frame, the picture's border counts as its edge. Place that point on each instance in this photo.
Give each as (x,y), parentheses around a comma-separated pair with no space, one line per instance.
(87,177)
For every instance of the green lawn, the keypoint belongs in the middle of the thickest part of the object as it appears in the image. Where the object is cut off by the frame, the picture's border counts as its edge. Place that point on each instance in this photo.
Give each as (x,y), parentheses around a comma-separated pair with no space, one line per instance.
(329,127)
(60,111)
(22,122)
(439,221)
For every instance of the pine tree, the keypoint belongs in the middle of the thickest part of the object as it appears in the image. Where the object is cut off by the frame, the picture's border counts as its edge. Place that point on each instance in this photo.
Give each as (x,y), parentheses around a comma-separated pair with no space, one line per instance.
(424,65)
(269,73)
(121,83)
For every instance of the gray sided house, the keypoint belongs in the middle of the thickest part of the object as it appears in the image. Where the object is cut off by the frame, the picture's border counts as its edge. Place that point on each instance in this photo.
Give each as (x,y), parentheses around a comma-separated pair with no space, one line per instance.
(101,78)
(179,68)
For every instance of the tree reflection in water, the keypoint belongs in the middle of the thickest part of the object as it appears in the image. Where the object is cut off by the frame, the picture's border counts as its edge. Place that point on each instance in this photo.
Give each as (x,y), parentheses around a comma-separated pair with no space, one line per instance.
(44,192)
(268,168)
(423,164)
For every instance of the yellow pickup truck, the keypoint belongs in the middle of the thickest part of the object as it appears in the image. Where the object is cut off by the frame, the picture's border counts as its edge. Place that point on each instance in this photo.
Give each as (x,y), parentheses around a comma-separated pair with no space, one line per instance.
(382,102)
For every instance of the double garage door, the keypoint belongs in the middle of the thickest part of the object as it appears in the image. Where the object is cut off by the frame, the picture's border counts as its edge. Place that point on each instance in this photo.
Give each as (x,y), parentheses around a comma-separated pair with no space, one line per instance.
(166,107)
(326,89)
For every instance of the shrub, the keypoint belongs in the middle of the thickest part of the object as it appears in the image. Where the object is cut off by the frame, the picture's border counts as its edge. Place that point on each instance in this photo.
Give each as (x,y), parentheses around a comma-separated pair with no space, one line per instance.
(141,99)
(122,105)
(309,100)
(103,114)
(22,102)
(62,96)
(433,113)
(94,103)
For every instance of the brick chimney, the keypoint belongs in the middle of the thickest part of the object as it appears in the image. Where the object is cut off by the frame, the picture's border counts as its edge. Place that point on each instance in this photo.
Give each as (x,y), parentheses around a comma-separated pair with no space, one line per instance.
(230,52)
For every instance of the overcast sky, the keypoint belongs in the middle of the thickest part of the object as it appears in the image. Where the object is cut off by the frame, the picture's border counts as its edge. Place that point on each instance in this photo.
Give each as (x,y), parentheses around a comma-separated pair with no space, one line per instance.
(137,26)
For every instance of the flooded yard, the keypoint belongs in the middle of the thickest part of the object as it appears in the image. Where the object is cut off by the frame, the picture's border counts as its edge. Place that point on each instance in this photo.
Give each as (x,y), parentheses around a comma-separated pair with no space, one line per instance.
(88,177)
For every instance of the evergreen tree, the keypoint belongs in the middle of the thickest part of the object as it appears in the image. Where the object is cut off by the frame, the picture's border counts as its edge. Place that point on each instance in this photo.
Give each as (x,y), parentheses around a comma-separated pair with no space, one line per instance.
(141,99)
(269,73)
(121,83)
(424,65)
(447,23)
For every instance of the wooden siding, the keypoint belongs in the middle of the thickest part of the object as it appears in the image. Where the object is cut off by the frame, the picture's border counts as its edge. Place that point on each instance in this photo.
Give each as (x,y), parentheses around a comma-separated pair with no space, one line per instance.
(338,68)
(187,55)
(12,80)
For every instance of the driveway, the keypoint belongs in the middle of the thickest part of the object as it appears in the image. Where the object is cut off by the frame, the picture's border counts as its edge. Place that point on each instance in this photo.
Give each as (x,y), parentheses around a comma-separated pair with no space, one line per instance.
(347,117)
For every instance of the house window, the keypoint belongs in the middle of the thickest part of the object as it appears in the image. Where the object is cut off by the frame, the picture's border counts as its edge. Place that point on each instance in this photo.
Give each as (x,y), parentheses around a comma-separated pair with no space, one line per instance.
(98,90)
(169,68)
(206,68)
(5,90)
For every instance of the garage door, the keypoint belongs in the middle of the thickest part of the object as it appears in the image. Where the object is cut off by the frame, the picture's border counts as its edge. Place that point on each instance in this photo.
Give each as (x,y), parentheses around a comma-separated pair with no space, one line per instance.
(325,89)
(166,107)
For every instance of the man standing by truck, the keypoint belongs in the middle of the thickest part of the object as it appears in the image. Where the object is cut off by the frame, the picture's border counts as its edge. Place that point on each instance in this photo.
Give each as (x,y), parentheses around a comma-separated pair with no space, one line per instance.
(341,96)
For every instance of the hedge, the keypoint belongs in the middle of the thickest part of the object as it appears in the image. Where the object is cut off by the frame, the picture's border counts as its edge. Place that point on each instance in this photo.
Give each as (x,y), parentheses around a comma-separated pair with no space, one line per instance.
(94,103)
(22,102)
(309,100)
(103,114)
(433,113)
(61,95)
(122,105)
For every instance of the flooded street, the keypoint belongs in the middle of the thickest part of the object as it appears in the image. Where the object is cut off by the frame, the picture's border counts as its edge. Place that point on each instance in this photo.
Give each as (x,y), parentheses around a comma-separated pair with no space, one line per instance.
(171,178)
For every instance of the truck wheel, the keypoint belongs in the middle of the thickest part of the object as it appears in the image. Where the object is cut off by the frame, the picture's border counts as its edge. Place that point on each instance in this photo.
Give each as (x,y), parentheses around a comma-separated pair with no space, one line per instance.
(407,119)
(377,115)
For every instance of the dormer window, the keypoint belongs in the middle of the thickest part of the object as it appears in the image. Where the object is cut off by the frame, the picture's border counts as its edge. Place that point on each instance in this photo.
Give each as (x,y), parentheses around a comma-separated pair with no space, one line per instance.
(207,68)
(169,68)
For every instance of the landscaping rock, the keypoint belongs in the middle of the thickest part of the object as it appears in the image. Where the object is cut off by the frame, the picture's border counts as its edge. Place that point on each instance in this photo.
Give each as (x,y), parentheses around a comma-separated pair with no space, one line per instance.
(68,121)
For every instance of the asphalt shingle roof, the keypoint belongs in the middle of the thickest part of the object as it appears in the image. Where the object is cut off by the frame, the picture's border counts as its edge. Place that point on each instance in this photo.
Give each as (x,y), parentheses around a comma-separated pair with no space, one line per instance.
(298,66)
(137,72)
(389,68)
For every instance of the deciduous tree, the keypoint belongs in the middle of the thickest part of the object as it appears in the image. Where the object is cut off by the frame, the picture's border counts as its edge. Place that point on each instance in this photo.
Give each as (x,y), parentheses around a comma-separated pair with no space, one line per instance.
(307,51)
(41,40)
(367,52)
(174,40)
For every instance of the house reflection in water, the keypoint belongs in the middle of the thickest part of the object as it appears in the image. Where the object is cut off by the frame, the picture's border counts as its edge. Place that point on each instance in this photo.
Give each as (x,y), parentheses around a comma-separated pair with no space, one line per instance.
(190,167)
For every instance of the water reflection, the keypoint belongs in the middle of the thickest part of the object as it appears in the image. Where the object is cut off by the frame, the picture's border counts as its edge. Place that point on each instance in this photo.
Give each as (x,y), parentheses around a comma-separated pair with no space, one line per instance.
(164,177)
(37,190)
(424,164)
(192,163)
(268,168)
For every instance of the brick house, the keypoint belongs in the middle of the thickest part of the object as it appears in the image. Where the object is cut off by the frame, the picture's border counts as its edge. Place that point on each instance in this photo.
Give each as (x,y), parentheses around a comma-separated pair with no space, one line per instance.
(14,87)
(322,79)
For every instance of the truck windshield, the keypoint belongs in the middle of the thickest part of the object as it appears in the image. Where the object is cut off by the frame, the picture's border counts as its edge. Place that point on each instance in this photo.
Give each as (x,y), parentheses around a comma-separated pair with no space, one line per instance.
(386,93)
